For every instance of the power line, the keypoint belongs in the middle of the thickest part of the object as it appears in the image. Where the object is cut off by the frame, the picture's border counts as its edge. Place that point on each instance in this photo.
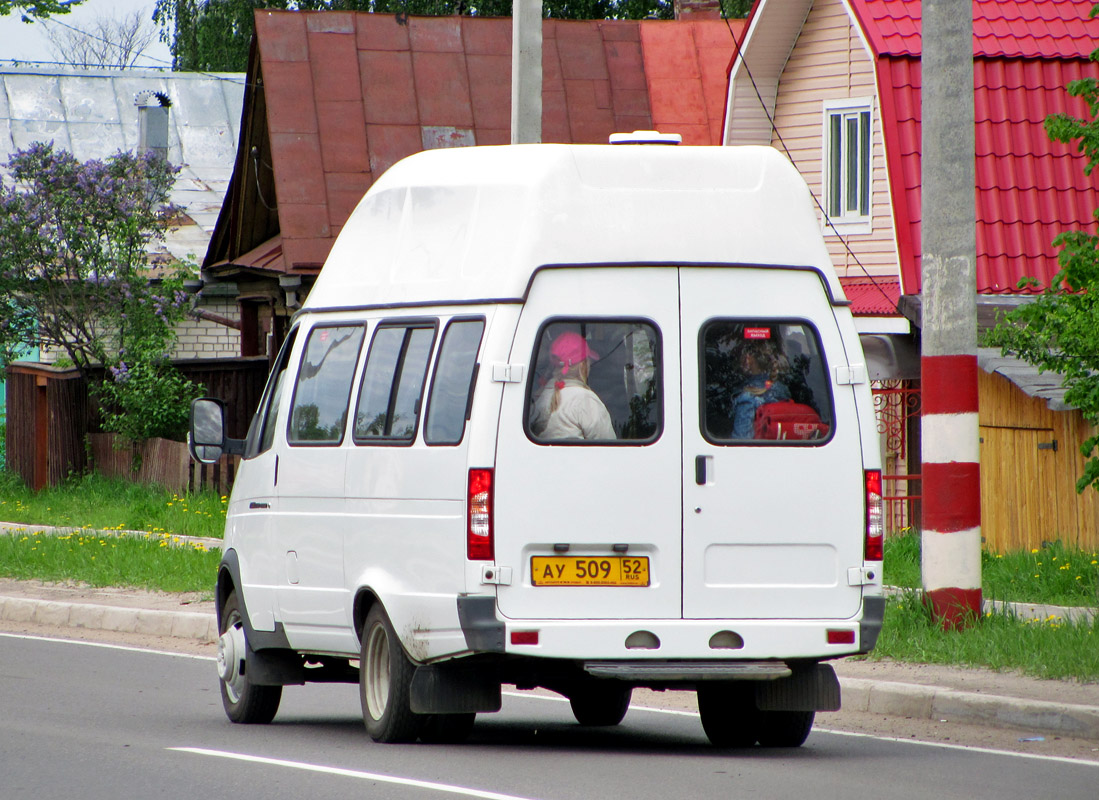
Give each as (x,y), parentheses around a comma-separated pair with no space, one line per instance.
(739,54)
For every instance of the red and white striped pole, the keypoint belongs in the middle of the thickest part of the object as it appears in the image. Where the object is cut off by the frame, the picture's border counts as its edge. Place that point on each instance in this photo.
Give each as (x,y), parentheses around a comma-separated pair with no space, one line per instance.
(951,485)
(951,488)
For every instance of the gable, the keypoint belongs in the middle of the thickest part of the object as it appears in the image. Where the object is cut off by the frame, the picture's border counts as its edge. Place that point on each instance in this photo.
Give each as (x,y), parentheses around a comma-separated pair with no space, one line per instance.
(1029,189)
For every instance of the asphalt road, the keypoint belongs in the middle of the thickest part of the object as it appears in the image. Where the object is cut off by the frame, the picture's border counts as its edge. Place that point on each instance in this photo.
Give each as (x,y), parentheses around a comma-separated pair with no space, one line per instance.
(89,722)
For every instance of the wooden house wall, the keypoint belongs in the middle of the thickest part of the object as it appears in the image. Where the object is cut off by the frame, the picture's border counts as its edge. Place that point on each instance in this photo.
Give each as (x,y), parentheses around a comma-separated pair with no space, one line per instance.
(1030,462)
(829,62)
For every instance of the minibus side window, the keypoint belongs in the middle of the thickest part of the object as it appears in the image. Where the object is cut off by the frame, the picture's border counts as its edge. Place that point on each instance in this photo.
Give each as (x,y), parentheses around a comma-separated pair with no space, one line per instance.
(452,383)
(393,381)
(595,381)
(318,414)
(261,431)
(764,382)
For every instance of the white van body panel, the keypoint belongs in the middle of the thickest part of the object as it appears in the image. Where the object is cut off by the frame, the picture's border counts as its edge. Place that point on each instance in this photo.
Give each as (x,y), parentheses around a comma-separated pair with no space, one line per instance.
(674,237)
(474,223)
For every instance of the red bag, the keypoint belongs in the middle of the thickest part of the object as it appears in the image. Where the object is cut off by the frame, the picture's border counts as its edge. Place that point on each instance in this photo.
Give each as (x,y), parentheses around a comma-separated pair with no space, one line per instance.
(788,420)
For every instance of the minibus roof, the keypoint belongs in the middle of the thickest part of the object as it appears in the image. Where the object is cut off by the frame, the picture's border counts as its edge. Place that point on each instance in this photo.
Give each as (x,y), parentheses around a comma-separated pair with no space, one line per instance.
(473,224)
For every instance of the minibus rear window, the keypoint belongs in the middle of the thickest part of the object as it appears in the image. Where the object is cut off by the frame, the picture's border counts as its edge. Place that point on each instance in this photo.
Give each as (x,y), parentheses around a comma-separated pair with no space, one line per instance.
(595,381)
(319,411)
(764,382)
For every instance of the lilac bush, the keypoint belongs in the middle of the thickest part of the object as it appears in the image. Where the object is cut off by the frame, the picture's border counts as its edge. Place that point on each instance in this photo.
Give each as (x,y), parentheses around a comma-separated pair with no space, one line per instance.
(74,265)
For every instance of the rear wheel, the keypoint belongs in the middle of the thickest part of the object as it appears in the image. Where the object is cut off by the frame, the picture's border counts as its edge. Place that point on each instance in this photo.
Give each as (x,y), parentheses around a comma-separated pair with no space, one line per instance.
(600,704)
(244,701)
(785,728)
(729,715)
(446,728)
(385,678)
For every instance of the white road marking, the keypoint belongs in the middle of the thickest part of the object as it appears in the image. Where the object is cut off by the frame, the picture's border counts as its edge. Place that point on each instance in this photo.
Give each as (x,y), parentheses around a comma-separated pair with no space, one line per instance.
(105,646)
(352,773)
(969,748)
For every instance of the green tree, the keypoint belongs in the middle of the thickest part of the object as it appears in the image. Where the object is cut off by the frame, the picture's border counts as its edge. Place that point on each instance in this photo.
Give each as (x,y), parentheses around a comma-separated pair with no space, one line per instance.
(1059,331)
(214,35)
(74,240)
(31,10)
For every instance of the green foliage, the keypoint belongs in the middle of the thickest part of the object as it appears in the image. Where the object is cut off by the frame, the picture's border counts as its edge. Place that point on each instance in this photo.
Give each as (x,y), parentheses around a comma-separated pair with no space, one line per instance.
(37,9)
(214,35)
(74,275)
(1059,332)
(158,563)
(147,399)
(113,504)
(73,240)
(1053,574)
(1052,648)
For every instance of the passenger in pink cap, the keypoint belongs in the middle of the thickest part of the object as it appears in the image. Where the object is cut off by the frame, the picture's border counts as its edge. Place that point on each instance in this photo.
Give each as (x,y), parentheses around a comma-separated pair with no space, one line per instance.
(568,408)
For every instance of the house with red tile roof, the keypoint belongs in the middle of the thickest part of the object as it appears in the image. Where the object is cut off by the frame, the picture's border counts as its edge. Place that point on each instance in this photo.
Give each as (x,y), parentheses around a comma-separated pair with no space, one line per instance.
(333,99)
(836,85)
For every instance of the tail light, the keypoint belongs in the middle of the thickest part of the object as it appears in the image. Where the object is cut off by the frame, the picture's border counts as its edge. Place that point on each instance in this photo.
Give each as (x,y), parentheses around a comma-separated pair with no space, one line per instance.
(875,526)
(479,544)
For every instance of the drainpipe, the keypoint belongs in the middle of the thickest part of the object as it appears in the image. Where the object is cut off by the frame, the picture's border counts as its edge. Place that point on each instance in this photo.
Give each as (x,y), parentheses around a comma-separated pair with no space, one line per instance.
(951,485)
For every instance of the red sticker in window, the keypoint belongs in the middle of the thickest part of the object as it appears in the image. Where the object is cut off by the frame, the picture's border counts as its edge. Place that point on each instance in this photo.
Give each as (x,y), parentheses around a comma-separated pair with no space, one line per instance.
(757,333)
(324,335)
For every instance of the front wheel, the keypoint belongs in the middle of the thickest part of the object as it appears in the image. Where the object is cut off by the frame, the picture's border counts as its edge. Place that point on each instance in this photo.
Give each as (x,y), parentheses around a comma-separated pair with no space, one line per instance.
(385,680)
(244,701)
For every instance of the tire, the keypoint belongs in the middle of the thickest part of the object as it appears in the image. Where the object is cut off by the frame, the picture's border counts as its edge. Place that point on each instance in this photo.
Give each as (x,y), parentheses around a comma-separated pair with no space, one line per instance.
(385,678)
(729,715)
(244,702)
(785,728)
(446,728)
(600,704)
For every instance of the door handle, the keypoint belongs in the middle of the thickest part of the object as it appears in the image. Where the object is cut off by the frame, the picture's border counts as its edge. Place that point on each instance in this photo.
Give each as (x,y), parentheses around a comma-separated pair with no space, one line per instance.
(700,470)
(254,504)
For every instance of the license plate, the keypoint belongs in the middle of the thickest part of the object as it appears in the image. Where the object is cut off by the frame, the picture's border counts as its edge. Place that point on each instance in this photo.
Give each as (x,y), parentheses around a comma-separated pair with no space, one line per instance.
(589,570)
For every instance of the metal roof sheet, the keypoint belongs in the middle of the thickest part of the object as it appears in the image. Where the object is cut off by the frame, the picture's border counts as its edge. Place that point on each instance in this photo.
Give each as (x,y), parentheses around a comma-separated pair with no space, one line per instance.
(1029,188)
(348,94)
(92,114)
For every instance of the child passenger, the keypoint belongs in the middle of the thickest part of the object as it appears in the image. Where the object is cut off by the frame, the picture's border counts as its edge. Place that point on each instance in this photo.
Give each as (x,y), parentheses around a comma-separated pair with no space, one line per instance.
(567,408)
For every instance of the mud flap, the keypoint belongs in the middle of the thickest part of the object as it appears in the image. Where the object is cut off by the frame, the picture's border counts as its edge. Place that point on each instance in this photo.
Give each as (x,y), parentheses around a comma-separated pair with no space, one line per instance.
(454,688)
(813,688)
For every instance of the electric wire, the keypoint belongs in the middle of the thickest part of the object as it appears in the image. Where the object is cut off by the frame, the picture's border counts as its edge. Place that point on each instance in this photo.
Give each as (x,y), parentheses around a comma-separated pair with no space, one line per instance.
(738,55)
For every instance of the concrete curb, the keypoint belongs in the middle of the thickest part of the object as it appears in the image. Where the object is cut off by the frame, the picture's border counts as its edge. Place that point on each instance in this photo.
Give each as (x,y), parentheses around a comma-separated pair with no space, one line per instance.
(879,697)
(937,702)
(93,616)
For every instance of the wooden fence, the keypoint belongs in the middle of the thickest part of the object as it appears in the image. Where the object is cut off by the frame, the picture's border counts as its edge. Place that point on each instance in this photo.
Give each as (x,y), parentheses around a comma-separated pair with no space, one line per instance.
(53,430)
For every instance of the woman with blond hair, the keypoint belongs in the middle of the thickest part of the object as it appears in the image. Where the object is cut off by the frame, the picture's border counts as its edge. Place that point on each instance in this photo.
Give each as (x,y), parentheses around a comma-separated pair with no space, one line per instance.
(567,408)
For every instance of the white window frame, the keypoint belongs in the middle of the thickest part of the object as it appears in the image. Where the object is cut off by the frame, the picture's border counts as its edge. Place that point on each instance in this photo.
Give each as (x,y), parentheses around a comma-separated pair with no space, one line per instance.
(848,196)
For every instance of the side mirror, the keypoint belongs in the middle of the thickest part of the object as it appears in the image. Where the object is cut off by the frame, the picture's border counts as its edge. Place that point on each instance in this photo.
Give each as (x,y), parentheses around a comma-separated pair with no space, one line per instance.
(206,439)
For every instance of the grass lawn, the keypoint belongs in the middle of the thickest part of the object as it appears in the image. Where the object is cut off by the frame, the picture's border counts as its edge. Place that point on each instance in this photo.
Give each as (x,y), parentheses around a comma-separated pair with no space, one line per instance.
(1050,648)
(99,503)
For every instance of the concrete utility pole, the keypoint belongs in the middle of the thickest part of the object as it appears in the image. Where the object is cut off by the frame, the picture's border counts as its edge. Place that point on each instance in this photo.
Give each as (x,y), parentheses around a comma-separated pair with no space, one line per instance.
(526,71)
(951,455)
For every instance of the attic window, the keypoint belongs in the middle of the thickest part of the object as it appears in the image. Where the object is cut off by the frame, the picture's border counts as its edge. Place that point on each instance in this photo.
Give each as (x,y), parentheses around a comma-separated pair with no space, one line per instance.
(847,163)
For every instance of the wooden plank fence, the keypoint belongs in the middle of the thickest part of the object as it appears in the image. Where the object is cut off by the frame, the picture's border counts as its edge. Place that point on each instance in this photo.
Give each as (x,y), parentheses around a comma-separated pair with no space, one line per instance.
(53,429)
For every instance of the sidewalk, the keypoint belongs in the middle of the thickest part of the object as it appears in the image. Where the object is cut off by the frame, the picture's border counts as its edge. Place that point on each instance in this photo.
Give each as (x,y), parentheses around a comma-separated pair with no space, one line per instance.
(917,691)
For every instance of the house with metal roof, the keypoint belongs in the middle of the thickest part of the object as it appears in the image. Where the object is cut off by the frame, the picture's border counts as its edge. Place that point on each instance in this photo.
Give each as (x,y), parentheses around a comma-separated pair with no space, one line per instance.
(193,118)
(333,99)
(836,85)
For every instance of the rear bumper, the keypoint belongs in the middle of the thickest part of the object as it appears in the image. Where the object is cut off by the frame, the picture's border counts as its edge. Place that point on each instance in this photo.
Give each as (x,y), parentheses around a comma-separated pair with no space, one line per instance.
(662,639)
